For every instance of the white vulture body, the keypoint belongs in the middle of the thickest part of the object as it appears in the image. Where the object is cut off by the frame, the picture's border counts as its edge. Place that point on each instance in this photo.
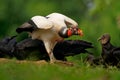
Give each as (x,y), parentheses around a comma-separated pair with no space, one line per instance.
(60,20)
(49,29)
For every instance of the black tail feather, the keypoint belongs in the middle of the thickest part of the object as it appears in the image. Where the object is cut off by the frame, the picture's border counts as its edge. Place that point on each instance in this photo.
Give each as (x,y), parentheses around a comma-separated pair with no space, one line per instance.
(25,27)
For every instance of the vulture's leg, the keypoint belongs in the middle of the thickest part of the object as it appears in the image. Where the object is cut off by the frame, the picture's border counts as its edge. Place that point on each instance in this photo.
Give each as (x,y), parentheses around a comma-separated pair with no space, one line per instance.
(49,47)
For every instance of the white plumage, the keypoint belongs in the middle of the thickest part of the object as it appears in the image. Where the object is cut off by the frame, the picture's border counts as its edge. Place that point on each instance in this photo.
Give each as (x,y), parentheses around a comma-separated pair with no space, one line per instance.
(49,29)
(41,22)
(60,20)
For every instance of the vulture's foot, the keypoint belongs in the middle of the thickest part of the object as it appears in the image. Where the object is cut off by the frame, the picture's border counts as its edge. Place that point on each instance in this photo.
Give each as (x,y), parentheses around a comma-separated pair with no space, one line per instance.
(52,58)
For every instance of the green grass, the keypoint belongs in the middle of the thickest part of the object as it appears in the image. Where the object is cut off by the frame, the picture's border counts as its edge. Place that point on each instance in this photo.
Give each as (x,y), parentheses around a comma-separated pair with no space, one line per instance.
(12,70)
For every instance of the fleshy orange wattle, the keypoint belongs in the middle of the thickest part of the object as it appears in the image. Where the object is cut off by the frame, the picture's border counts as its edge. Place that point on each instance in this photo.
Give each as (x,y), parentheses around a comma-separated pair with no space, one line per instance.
(80,32)
(69,33)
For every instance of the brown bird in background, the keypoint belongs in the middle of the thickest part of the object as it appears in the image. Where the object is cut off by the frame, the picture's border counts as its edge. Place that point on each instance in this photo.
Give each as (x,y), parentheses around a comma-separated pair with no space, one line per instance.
(110,53)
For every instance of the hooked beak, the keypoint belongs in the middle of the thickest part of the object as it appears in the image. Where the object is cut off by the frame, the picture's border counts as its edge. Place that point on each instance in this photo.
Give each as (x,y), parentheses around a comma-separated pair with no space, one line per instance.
(75,31)
(100,38)
(80,32)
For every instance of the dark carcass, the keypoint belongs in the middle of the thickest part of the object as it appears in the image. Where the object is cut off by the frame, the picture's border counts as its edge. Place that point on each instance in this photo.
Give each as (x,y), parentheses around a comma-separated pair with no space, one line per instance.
(21,50)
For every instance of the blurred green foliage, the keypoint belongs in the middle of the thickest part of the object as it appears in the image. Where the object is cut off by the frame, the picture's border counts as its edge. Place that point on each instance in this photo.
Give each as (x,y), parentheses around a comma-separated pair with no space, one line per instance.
(95,17)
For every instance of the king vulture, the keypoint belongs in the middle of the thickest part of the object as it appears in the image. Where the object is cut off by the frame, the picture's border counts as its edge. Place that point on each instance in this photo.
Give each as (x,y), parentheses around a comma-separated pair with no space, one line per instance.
(50,30)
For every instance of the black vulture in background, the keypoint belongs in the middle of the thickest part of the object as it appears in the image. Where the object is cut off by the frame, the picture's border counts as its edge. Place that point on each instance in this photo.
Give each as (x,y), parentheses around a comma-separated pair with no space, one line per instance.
(71,48)
(110,53)
(61,50)
(21,50)
(7,46)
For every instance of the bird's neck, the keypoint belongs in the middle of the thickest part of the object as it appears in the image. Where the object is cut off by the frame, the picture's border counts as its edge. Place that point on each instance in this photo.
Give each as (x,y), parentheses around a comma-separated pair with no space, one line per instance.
(107,46)
(63,32)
